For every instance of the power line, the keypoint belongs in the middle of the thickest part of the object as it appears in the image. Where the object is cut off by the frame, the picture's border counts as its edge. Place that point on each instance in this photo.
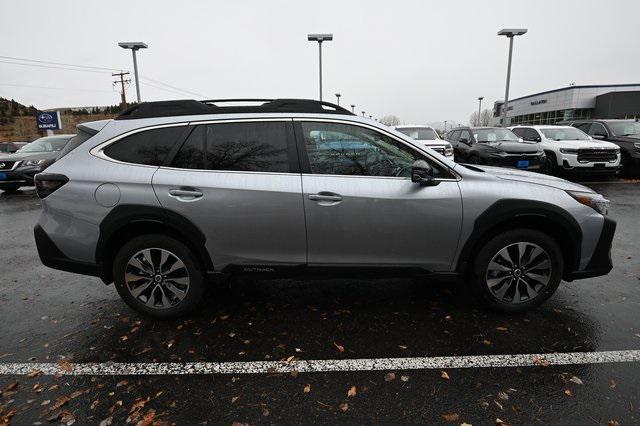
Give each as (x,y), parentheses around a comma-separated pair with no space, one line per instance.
(55,67)
(172,87)
(55,88)
(59,63)
(122,81)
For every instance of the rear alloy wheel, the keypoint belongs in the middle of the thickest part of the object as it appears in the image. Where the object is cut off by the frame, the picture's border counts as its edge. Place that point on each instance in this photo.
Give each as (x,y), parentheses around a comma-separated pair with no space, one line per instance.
(517,270)
(158,276)
(549,164)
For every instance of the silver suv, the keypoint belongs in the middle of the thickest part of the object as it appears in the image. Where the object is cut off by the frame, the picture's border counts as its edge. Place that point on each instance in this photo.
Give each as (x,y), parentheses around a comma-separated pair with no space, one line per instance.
(169,195)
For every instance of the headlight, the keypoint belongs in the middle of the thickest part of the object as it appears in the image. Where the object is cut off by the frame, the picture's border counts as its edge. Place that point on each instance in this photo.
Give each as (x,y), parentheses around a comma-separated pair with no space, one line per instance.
(595,201)
(568,151)
(34,162)
(448,151)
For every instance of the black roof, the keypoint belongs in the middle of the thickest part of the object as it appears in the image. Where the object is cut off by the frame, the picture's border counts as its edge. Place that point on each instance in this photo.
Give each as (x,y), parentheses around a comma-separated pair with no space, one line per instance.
(193,107)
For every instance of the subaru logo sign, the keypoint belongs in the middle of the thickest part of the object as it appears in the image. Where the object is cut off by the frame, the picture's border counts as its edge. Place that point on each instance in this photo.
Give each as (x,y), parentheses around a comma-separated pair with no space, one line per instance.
(48,120)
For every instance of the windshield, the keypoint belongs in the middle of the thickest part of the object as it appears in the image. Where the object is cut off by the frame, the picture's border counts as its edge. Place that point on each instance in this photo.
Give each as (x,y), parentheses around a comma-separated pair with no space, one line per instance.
(46,144)
(419,133)
(625,128)
(565,134)
(494,135)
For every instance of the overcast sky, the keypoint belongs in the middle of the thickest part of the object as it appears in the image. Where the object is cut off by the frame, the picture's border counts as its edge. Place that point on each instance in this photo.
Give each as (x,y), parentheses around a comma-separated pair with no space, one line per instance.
(424,61)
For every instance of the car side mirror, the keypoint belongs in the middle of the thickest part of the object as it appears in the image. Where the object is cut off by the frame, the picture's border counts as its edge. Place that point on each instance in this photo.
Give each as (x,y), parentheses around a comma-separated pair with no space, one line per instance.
(464,141)
(599,136)
(422,173)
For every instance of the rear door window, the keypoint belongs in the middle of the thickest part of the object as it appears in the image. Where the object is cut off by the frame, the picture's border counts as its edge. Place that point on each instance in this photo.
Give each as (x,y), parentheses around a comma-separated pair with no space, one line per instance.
(247,146)
(149,147)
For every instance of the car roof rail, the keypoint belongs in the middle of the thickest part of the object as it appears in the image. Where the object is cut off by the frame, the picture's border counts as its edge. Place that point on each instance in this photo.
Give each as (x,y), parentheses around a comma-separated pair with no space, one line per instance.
(229,106)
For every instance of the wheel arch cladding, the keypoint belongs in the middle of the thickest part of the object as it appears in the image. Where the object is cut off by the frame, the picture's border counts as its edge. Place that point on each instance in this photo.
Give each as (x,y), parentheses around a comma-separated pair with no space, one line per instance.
(128,221)
(509,214)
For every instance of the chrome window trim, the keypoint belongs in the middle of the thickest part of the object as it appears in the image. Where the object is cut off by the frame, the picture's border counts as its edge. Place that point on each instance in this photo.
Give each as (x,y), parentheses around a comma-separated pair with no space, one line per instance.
(386,133)
(98,150)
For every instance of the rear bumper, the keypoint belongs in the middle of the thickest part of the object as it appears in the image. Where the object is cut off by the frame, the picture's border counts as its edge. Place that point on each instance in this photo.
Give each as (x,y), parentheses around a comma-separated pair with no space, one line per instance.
(51,256)
(600,262)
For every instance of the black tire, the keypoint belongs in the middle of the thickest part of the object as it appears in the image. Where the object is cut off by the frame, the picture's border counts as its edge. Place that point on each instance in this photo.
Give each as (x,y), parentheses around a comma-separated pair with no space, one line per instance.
(550,164)
(191,297)
(479,274)
(10,187)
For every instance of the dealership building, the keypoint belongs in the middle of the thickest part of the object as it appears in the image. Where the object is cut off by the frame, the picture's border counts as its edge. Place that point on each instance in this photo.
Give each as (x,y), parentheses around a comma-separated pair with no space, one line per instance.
(572,102)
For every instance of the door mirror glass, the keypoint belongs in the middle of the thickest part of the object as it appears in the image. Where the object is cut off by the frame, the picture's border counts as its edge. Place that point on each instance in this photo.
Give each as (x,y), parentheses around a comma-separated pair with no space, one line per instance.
(422,173)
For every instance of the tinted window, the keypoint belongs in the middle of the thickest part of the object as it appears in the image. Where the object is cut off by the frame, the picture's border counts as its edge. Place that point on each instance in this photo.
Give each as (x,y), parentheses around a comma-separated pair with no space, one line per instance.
(465,134)
(453,135)
(46,144)
(531,135)
(148,147)
(342,149)
(564,134)
(597,129)
(254,147)
(625,128)
(519,131)
(583,126)
(496,134)
(192,154)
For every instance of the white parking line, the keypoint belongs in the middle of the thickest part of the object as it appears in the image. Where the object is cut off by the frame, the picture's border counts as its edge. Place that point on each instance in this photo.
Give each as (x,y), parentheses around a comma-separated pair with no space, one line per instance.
(320,366)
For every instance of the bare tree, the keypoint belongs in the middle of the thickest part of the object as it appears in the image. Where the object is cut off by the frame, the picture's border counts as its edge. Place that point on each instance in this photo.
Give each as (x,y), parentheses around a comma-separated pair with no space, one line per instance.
(485,117)
(390,120)
(474,119)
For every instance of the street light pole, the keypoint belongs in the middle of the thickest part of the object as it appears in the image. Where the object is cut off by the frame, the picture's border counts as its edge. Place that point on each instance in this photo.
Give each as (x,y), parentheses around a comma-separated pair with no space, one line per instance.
(509,33)
(320,38)
(479,109)
(134,46)
(338,97)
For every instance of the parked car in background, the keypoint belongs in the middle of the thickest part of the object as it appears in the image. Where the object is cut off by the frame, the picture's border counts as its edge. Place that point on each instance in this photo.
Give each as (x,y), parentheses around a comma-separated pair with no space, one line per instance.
(624,133)
(570,150)
(494,146)
(10,147)
(171,193)
(427,136)
(18,169)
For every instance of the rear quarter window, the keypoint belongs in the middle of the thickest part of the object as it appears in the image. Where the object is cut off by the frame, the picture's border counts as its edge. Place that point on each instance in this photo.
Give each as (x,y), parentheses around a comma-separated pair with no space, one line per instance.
(80,138)
(148,147)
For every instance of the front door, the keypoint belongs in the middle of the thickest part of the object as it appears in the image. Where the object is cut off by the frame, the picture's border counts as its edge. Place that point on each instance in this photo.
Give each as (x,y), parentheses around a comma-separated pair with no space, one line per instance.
(362,208)
(239,183)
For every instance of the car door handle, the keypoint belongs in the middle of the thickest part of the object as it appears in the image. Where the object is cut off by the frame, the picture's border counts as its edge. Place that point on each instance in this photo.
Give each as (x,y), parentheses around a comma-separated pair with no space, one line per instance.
(186,194)
(325,196)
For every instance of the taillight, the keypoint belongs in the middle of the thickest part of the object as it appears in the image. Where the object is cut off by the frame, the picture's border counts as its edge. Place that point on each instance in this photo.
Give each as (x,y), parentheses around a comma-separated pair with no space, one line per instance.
(48,183)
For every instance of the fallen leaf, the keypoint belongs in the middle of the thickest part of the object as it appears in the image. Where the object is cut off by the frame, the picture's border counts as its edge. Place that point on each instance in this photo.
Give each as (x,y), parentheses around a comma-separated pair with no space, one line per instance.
(450,417)
(402,346)
(612,384)
(107,421)
(613,423)
(139,404)
(541,361)
(344,406)
(389,377)
(503,396)
(352,392)
(234,399)
(65,365)
(404,378)
(487,342)
(502,329)
(35,373)
(576,380)
(307,388)
(11,386)
(444,375)
(224,317)
(568,392)
(339,347)
(501,422)
(60,402)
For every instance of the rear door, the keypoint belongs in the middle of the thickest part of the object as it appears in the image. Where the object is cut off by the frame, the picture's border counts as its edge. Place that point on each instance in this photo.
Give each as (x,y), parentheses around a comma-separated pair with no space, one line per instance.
(239,182)
(362,208)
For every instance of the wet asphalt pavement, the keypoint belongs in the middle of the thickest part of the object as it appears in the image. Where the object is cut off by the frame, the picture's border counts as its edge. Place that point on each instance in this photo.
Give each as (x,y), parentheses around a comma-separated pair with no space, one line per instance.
(58,317)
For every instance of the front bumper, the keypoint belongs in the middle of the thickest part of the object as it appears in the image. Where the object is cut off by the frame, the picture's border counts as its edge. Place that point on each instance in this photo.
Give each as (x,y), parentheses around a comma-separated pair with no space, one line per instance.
(522,162)
(600,262)
(22,175)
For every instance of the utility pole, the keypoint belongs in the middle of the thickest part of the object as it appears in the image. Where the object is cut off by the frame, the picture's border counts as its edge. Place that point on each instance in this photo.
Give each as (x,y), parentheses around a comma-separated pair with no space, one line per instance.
(123,95)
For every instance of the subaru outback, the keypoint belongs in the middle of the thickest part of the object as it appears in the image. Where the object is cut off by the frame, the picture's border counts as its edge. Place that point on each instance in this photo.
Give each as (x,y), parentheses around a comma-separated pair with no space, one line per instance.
(170,195)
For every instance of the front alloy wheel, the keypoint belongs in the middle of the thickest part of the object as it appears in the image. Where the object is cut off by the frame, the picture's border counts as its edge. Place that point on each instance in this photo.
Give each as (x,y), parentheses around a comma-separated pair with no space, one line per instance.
(518,272)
